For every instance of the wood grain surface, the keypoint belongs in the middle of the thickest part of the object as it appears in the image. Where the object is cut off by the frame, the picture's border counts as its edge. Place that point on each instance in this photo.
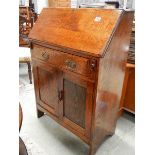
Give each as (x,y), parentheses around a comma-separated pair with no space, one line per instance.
(110,82)
(74,103)
(76,29)
(60,59)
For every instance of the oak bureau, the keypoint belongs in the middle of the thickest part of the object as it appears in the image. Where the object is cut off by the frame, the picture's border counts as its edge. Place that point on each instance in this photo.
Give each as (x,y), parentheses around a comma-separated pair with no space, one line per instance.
(78,59)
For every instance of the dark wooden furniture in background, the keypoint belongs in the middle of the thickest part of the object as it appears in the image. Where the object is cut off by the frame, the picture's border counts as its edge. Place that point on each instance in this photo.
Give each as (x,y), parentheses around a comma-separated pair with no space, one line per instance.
(22,147)
(31,5)
(20,116)
(116,3)
(26,20)
(78,58)
(128,92)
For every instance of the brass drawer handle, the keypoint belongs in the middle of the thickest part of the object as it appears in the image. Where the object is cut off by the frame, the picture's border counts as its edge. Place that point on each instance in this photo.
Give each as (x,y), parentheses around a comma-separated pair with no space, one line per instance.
(45,55)
(70,64)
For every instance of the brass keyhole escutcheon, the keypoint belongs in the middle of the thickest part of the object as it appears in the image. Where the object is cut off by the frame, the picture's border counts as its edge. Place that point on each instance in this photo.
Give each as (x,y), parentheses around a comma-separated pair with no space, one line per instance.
(70,64)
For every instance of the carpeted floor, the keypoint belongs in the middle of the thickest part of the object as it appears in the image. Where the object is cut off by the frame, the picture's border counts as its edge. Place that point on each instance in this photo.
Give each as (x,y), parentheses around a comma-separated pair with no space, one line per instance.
(45,137)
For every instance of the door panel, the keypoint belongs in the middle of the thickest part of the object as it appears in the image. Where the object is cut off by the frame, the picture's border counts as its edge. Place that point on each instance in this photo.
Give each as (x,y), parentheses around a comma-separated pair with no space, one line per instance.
(77,103)
(47,87)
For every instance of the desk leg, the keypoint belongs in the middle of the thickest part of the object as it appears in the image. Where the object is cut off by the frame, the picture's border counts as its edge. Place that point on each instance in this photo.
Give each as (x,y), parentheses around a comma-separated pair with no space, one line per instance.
(29,72)
(39,113)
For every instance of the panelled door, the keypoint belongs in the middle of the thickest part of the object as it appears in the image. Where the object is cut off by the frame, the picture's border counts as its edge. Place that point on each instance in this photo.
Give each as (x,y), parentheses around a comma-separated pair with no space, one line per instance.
(76,105)
(47,80)
(64,95)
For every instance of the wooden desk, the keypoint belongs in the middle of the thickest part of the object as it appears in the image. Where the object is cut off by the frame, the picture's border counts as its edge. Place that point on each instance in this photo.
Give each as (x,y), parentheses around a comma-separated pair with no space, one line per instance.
(78,58)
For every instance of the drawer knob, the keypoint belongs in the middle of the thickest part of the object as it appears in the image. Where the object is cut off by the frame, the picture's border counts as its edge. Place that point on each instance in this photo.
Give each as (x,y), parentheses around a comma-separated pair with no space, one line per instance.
(70,64)
(45,55)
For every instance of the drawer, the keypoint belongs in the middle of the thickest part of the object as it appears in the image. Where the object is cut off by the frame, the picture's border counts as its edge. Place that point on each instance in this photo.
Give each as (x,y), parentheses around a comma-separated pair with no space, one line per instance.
(63,60)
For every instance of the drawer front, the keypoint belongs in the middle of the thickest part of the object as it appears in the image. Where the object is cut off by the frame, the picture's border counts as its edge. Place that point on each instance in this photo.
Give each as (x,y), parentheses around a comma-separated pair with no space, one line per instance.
(63,60)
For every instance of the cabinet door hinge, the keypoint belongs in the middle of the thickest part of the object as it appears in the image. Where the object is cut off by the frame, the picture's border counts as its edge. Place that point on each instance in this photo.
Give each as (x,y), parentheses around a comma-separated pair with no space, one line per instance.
(93,64)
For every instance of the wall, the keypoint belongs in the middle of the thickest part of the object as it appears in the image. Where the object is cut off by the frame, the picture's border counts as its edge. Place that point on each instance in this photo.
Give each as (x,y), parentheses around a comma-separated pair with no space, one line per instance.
(39,5)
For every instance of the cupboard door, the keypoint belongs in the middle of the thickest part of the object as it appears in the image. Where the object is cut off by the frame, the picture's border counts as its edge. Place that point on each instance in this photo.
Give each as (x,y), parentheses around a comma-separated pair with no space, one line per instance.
(46,80)
(77,103)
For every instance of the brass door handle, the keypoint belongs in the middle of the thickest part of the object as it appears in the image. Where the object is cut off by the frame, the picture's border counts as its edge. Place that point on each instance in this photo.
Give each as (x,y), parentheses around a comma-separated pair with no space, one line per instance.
(45,55)
(60,95)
